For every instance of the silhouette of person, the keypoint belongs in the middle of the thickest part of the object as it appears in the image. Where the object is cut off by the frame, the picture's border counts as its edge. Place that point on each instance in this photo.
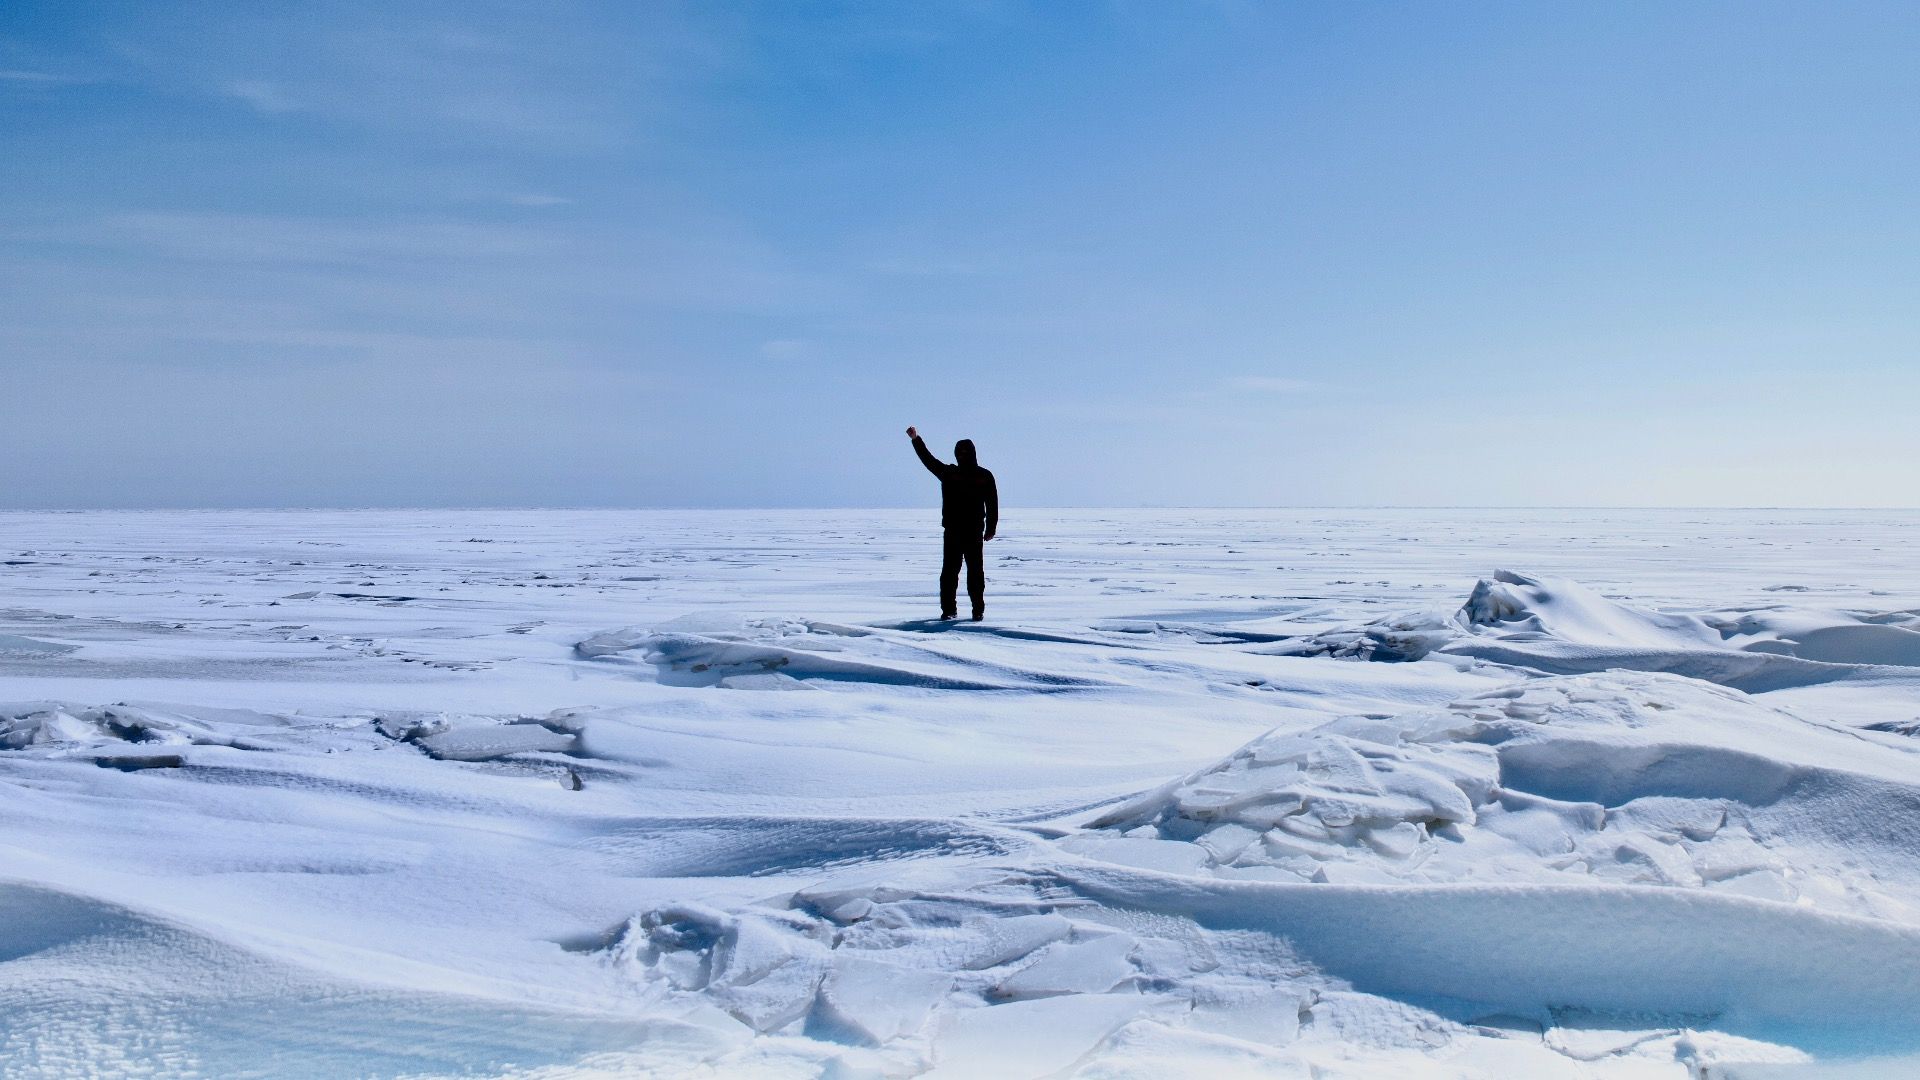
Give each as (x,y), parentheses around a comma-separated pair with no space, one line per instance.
(969,512)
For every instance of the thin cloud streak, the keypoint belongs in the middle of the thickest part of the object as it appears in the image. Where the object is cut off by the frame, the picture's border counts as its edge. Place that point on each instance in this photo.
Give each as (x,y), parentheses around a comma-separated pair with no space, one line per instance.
(1271,384)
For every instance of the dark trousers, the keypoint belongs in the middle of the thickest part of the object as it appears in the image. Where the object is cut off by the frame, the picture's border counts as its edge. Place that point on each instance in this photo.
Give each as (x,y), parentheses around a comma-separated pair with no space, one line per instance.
(963,544)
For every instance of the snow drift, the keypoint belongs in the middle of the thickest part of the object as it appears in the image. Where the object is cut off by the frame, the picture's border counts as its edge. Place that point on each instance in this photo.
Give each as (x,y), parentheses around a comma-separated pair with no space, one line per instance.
(1626,843)
(1560,627)
(1626,777)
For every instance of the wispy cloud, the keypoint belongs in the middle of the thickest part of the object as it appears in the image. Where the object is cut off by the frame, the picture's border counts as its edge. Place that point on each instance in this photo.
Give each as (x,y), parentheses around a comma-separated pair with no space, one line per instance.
(42,77)
(263,96)
(295,239)
(897,266)
(787,350)
(1270,384)
(554,79)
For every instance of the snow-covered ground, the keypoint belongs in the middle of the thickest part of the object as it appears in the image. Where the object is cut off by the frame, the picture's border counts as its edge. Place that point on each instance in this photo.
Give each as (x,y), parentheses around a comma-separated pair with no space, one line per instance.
(1211,793)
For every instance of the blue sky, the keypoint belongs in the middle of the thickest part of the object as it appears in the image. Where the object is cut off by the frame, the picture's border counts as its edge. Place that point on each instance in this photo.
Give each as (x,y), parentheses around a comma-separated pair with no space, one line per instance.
(1144,253)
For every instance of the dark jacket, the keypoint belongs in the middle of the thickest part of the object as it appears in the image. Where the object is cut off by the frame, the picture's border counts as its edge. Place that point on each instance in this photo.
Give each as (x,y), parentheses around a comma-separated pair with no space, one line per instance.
(969,502)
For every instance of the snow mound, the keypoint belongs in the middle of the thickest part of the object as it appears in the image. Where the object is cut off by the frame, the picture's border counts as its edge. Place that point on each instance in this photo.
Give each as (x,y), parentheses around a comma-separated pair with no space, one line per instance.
(16,646)
(893,967)
(1890,639)
(97,988)
(786,654)
(1517,607)
(1561,627)
(464,737)
(47,725)
(1028,972)
(985,972)
(1625,777)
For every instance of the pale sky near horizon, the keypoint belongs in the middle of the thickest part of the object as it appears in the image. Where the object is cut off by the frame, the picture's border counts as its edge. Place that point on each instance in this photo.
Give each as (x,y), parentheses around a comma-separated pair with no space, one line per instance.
(721,254)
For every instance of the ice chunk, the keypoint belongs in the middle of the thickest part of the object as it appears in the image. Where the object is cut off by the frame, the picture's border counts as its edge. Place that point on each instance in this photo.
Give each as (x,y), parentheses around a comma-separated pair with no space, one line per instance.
(880,1001)
(483,742)
(996,941)
(762,680)
(15,645)
(1167,856)
(1759,884)
(1029,1038)
(1086,967)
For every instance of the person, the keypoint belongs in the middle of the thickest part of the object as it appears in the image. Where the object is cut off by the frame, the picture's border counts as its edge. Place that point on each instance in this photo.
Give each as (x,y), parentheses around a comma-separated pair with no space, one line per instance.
(970,513)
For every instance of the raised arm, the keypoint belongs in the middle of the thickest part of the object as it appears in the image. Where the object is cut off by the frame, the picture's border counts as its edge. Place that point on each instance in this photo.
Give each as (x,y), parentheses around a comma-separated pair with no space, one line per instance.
(934,465)
(993,507)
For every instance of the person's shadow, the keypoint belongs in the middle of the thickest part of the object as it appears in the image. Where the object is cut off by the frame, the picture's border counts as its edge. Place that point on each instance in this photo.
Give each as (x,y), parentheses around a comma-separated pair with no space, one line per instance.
(925,626)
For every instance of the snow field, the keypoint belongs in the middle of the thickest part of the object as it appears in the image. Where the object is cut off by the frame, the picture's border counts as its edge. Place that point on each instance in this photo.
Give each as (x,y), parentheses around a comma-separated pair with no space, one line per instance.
(1228,794)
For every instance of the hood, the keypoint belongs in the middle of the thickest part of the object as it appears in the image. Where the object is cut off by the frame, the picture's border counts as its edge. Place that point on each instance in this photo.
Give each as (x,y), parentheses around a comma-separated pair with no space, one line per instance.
(963,452)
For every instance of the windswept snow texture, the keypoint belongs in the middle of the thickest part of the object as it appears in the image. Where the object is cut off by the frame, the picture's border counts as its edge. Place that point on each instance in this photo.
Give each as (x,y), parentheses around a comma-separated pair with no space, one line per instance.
(1227,793)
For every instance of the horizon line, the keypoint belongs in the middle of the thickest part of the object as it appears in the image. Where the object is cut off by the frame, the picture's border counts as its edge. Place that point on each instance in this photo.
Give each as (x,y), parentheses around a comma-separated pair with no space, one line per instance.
(668,508)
